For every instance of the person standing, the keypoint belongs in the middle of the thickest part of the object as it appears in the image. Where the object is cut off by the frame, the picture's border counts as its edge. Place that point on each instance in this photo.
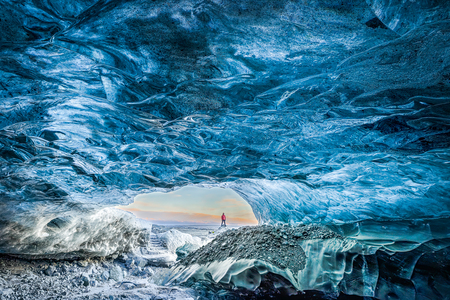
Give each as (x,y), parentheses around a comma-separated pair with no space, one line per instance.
(224,218)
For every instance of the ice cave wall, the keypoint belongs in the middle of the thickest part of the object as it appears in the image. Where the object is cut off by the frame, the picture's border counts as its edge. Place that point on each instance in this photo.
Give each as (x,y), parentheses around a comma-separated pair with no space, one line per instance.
(403,16)
(313,111)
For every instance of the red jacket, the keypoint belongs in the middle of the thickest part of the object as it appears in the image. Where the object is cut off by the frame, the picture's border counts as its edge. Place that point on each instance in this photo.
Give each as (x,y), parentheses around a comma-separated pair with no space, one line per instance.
(224,218)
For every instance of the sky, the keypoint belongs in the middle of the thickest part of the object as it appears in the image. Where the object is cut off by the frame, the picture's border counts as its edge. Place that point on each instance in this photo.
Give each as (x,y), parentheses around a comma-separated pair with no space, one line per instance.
(192,205)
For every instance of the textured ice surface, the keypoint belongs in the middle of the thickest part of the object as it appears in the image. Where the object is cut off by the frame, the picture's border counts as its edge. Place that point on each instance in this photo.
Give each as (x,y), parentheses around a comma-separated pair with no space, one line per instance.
(402,16)
(314,112)
(70,235)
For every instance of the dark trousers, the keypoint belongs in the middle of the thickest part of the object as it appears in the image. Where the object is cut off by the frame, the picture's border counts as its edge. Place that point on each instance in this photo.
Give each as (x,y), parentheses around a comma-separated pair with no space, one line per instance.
(223,223)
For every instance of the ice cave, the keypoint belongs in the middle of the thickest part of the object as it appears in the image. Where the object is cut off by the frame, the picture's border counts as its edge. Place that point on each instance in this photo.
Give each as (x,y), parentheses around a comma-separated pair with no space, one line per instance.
(330,118)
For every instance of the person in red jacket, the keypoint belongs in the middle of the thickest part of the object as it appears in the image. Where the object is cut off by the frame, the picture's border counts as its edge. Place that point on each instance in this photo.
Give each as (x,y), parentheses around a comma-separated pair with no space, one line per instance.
(223,220)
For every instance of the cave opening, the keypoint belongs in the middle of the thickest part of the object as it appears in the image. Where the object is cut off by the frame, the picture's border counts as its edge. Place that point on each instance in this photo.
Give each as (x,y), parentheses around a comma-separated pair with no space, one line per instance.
(193,205)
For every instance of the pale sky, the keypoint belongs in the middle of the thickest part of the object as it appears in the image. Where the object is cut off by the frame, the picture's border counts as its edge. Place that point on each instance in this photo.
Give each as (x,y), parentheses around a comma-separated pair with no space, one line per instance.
(192,205)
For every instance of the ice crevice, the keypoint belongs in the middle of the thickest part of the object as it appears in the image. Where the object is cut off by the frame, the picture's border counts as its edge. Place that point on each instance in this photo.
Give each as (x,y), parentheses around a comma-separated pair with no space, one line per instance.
(330,112)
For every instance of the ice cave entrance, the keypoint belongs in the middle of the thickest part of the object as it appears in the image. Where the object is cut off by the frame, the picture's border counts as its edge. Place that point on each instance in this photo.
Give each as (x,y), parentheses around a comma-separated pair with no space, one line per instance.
(193,206)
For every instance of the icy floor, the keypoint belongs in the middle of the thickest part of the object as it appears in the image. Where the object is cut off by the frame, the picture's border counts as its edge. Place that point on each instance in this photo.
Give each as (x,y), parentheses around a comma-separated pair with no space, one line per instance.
(125,277)
(120,278)
(258,262)
(204,232)
(87,279)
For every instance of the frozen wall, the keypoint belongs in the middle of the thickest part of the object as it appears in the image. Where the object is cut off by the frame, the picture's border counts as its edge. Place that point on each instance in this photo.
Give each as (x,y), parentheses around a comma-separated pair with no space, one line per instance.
(313,111)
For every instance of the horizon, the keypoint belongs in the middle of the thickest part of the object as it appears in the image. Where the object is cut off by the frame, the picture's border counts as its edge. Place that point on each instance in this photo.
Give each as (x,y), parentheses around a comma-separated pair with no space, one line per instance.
(194,224)
(192,206)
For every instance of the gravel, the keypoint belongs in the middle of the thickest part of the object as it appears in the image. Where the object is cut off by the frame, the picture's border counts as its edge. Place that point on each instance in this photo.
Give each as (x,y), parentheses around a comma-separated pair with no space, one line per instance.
(277,245)
(88,279)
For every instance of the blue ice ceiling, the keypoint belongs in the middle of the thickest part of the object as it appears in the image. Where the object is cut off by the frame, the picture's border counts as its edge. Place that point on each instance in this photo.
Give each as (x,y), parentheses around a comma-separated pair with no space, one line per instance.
(313,111)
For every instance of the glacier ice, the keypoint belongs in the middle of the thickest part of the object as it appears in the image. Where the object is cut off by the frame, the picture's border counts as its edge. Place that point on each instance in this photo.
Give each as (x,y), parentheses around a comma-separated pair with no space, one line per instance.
(174,239)
(402,16)
(104,232)
(312,111)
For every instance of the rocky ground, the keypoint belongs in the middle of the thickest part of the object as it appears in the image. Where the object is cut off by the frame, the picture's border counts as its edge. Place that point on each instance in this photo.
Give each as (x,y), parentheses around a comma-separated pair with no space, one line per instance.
(125,277)
(277,245)
(122,278)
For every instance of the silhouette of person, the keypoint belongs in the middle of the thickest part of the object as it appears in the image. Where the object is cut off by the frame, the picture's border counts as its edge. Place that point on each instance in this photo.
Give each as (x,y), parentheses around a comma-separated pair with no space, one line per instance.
(224,218)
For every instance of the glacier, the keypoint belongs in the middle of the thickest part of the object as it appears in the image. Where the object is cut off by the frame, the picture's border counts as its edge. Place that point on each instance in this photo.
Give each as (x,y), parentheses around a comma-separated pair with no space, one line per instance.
(323,112)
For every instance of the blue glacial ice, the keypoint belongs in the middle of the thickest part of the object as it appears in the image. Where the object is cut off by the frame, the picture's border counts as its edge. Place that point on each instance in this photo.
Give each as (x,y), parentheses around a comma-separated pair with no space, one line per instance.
(319,112)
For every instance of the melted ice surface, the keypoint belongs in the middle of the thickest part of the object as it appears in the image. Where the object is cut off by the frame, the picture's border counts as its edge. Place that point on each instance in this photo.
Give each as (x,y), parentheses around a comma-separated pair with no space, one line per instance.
(307,112)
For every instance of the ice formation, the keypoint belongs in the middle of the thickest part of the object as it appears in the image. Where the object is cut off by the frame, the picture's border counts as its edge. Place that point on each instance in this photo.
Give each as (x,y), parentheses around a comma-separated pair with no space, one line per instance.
(174,239)
(332,112)
(402,16)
